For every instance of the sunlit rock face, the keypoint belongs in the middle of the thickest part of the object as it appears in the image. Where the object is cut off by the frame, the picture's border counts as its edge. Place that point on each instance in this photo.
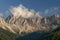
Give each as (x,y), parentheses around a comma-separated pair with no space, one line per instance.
(24,20)
(51,19)
(31,24)
(5,25)
(26,24)
(55,17)
(45,20)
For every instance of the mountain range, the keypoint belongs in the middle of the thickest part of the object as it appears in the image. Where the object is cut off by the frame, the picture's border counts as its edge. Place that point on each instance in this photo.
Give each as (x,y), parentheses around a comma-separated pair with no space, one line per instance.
(25,25)
(32,24)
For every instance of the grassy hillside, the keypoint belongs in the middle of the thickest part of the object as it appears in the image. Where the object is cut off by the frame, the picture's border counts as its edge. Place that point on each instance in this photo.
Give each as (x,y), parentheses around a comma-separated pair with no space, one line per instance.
(54,35)
(6,35)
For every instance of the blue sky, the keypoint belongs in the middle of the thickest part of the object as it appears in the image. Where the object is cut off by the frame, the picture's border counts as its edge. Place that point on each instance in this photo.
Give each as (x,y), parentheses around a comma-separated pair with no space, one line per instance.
(38,5)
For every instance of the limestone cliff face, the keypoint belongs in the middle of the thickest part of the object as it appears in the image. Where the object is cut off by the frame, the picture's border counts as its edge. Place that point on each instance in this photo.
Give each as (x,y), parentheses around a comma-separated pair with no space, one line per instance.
(26,24)
(53,18)
(5,25)
(31,24)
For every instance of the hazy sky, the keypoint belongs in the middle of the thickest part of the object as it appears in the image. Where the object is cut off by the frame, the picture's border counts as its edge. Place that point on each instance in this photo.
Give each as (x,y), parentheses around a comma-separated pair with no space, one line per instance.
(45,7)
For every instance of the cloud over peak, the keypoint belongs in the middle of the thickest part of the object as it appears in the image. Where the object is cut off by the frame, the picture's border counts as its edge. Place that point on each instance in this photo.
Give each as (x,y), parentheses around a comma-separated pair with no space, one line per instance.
(23,11)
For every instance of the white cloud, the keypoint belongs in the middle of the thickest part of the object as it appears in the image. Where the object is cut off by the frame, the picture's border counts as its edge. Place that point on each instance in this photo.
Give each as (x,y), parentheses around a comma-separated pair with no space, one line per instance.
(23,11)
(46,11)
(55,8)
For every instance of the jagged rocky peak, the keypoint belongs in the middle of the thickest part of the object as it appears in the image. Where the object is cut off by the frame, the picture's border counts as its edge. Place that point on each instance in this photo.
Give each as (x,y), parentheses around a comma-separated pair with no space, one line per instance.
(4,25)
(55,16)
(25,24)
(28,24)
(50,19)
(31,17)
(24,19)
(8,18)
(45,20)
